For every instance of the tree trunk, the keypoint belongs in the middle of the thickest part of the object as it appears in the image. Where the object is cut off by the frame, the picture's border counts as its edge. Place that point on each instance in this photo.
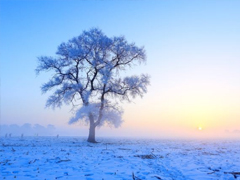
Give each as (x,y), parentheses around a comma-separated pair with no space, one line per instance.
(91,136)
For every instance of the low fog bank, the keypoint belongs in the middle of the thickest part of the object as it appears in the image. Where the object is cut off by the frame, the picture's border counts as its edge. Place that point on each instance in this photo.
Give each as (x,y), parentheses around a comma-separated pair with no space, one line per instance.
(27,129)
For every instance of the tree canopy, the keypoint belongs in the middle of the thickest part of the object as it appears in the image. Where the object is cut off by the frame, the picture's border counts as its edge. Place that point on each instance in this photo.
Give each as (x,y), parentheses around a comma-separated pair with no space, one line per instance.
(87,74)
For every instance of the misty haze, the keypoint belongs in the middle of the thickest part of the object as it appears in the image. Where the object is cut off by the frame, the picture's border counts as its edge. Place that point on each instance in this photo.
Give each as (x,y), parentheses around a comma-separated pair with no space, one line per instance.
(125,90)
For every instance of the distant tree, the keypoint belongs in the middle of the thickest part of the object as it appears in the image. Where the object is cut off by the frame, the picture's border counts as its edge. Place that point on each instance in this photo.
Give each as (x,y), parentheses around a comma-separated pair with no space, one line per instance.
(86,74)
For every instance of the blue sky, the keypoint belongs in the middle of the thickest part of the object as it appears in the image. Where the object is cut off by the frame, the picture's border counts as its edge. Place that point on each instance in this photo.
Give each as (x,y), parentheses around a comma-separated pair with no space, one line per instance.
(193,59)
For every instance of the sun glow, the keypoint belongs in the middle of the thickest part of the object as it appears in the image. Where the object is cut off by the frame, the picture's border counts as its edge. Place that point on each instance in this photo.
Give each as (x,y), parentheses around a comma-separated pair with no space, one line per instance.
(200,128)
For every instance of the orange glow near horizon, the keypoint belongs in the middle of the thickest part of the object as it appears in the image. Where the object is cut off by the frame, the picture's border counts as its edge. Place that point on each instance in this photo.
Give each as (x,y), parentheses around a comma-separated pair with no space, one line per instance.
(202,108)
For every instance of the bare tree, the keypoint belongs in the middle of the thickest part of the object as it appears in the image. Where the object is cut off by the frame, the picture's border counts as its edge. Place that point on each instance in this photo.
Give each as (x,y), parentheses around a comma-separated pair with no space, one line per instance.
(87,75)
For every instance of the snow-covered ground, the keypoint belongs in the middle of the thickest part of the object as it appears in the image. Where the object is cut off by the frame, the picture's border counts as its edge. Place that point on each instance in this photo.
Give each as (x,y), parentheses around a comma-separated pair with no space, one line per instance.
(43,158)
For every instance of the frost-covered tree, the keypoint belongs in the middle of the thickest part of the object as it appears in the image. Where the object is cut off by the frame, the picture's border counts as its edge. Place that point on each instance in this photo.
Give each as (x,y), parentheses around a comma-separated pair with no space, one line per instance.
(87,75)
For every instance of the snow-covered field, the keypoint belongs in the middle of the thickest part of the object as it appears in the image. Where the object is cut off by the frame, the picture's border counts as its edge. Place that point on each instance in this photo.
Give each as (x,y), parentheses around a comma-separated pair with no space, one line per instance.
(43,158)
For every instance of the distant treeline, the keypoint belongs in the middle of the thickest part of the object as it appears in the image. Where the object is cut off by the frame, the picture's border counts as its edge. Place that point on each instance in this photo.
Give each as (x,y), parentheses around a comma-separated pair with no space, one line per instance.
(27,129)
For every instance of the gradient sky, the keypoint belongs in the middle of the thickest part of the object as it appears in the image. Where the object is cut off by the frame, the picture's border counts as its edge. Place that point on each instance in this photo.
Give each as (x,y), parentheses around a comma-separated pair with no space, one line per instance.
(193,59)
